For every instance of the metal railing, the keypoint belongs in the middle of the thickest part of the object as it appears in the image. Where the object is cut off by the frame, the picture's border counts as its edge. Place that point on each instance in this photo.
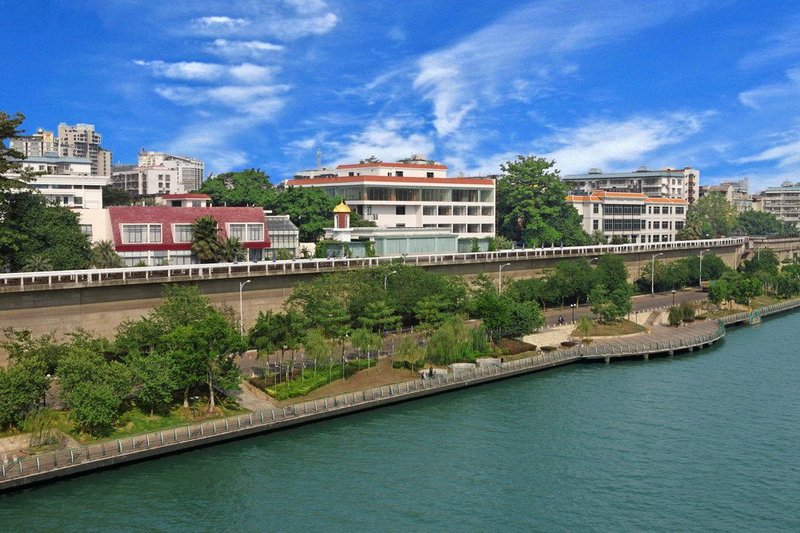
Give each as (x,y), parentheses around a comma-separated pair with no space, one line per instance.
(115,276)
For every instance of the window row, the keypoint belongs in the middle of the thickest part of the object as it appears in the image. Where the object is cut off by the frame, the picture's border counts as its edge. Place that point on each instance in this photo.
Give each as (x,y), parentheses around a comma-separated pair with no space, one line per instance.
(182,233)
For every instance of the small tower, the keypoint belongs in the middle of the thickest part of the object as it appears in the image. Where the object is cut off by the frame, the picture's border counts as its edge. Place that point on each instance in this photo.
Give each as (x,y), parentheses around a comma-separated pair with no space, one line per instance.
(341,222)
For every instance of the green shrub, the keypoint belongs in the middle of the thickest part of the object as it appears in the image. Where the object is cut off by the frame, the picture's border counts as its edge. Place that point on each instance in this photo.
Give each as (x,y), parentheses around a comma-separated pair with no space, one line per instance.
(314,379)
(687,310)
(549,348)
(675,316)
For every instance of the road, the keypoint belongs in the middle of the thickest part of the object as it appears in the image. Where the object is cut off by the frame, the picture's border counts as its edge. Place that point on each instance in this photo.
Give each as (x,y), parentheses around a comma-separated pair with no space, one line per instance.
(640,303)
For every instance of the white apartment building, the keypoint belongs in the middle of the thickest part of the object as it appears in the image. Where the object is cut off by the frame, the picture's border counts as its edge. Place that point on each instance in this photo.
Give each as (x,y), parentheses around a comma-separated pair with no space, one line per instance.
(413,193)
(783,202)
(666,183)
(190,171)
(81,140)
(67,180)
(635,216)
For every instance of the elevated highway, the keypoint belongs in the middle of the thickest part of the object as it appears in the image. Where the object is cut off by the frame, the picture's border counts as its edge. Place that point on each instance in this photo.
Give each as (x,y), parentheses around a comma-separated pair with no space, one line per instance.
(99,300)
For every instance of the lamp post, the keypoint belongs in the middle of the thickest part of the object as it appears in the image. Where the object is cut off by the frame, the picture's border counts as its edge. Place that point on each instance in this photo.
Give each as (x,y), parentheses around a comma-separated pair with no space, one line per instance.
(241,308)
(673,297)
(500,278)
(573,312)
(700,276)
(653,274)
(386,278)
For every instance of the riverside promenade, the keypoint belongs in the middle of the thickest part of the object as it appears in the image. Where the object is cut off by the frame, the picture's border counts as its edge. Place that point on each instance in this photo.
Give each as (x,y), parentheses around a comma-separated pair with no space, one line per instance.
(26,471)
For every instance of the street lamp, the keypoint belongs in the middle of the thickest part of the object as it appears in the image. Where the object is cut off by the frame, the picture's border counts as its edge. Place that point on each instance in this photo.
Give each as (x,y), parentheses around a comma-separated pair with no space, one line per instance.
(653,274)
(673,297)
(700,276)
(573,312)
(241,308)
(386,278)
(500,278)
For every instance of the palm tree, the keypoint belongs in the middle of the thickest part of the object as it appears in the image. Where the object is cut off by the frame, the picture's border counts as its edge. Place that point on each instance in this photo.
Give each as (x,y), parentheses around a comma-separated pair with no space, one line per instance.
(205,239)
(232,250)
(37,263)
(104,256)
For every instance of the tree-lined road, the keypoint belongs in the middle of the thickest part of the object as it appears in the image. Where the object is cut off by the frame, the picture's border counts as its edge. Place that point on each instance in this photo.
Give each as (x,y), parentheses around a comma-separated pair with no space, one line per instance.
(640,303)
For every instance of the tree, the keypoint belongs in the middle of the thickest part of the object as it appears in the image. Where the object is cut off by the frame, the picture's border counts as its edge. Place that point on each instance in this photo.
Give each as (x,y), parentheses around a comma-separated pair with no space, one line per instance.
(366,341)
(93,388)
(309,208)
(104,255)
(532,207)
(763,223)
(431,314)
(153,380)
(378,317)
(231,249)
(41,235)
(611,272)
(611,306)
(317,347)
(10,159)
(116,196)
(22,387)
(246,187)
(571,281)
(206,244)
(710,216)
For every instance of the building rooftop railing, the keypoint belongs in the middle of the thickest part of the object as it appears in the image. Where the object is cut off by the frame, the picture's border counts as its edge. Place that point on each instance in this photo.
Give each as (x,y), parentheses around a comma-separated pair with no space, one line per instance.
(23,281)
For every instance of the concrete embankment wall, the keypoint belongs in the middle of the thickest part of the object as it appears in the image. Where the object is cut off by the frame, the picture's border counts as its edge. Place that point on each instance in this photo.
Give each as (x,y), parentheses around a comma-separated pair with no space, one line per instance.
(101,309)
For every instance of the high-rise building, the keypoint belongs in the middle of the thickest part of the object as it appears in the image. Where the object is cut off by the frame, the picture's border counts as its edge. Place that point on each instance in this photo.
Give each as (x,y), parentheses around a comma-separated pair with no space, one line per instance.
(81,140)
(159,173)
(40,143)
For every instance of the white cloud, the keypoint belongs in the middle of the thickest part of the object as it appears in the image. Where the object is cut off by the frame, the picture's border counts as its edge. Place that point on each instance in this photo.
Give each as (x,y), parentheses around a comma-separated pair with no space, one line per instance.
(387,139)
(627,143)
(474,72)
(786,155)
(261,101)
(217,23)
(284,19)
(207,72)
(213,141)
(778,47)
(242,49)
(780,93)
(184,70)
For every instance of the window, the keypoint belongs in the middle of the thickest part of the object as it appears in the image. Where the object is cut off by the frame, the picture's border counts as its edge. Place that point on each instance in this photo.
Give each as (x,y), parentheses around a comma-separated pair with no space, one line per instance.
(429,174)
(155,233)
(182,233)
(656,210)
(400,210)
(595,224)
(595,208)
(236,231)
(679,210)
(133,233)
(398,173)
(255,232)
(77,200)
(86,229)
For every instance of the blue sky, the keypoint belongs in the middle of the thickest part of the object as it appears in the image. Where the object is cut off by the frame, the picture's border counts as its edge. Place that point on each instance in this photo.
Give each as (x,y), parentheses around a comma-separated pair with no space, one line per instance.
(248,83)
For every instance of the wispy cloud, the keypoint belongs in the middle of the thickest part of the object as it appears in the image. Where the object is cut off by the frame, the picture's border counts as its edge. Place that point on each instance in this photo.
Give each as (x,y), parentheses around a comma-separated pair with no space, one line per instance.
(207,72)
(215,24)
(779,46)
(474,72)
(785,155)
(783,93)
(242,49)
(387,139)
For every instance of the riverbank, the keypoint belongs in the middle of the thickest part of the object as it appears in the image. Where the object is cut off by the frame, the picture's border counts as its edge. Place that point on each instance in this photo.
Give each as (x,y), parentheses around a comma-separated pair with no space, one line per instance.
(73,461)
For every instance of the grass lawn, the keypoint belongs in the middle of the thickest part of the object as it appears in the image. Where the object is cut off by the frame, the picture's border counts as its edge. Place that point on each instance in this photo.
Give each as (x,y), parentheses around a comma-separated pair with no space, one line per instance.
(624,327)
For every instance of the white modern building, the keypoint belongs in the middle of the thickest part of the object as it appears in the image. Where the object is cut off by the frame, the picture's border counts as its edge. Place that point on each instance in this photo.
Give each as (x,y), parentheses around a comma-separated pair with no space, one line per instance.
(783,202)
(413,193)
(190,171)
(666,183)
(159,173)
(635,216)
(36,145)
(66,180)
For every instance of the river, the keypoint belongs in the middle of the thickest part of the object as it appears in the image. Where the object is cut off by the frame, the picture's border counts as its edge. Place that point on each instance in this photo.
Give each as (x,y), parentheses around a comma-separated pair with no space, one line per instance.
(703,441)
